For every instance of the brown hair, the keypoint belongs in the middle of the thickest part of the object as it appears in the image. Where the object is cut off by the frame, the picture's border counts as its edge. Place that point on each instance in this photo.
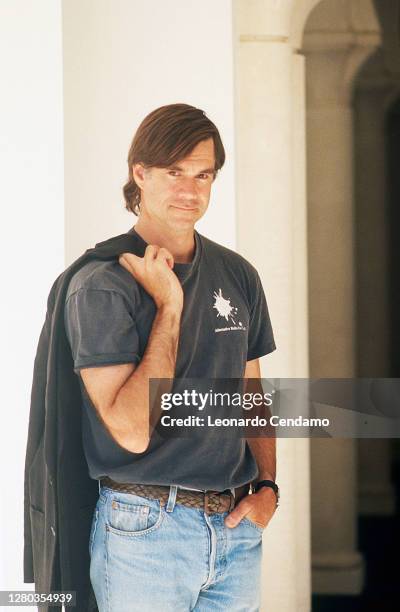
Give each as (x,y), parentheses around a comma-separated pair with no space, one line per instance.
(166,136)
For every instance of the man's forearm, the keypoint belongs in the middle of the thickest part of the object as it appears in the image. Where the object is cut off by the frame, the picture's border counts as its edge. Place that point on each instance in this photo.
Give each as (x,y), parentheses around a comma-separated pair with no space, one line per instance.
(264,451)
(130,412)
(262,447)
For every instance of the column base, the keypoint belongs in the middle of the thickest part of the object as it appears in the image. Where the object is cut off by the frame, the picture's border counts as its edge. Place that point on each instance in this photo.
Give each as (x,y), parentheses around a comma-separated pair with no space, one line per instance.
(338,574)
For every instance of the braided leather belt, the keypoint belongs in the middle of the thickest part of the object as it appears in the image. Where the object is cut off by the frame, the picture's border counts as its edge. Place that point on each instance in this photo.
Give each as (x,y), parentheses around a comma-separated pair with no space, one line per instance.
(209,501)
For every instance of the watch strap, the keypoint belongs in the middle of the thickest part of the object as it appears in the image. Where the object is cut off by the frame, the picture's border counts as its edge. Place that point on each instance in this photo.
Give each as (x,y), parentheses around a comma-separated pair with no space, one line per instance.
(267,483)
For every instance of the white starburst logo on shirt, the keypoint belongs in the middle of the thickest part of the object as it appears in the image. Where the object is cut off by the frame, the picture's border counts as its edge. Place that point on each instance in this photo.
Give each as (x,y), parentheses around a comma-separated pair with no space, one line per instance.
(224,308)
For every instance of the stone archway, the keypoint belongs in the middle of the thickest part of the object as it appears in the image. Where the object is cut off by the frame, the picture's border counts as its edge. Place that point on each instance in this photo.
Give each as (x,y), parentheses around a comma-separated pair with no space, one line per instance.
(338,39)
(375,90)
(271,213)
(272,232)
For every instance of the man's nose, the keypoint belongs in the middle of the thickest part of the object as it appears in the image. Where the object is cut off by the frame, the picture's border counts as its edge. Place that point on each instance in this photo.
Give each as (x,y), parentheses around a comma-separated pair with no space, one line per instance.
(188,188)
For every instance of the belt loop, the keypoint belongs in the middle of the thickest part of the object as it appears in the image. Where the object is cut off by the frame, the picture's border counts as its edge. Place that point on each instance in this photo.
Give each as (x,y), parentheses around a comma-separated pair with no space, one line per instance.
(233,499)
(206,499)
(171,498)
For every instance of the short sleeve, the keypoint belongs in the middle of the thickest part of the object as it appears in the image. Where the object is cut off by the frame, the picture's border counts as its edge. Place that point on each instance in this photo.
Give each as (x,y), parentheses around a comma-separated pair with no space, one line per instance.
(261,338)
(100,328)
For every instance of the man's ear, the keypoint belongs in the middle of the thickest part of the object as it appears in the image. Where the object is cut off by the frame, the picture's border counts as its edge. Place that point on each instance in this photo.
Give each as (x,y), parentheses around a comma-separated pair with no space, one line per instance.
(139,171)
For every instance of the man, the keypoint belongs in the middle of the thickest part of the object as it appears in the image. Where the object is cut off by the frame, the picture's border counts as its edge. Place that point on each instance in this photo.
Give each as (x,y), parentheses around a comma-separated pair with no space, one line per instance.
(176,526)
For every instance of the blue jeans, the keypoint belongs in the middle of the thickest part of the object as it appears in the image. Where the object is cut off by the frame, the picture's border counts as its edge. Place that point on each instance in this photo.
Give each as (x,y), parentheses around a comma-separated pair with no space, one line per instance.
(153,558)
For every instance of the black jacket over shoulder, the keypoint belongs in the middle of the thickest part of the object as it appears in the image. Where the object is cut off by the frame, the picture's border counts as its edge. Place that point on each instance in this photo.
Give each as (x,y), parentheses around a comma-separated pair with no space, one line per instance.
(59,495)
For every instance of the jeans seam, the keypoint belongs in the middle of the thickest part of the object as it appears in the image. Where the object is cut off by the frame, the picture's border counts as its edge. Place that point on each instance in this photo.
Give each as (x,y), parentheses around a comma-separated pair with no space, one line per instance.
(106,572)
(211,555)
(96,519)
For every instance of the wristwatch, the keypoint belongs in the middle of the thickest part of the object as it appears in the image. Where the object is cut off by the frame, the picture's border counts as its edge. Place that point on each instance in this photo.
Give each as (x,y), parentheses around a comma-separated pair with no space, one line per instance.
(268,483)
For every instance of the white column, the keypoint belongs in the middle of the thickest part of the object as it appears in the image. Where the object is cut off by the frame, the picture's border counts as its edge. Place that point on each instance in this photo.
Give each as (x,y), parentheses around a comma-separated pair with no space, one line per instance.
(32,236)
(270,187)
(332,62)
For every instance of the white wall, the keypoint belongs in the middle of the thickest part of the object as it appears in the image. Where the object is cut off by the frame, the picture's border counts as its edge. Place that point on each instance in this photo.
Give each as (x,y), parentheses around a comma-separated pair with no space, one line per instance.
(122,59)
(32,237)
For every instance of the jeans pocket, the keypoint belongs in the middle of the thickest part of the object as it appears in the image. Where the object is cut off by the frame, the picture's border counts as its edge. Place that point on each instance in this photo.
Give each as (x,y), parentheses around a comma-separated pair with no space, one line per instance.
(252,524)
(131,515)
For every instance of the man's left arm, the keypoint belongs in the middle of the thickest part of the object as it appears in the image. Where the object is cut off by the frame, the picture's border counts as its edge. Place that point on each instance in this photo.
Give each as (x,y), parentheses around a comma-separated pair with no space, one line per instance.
(258,507)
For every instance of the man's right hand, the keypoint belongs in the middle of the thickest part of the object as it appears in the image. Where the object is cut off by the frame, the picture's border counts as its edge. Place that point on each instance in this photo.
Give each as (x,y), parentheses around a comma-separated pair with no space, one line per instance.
(154,272)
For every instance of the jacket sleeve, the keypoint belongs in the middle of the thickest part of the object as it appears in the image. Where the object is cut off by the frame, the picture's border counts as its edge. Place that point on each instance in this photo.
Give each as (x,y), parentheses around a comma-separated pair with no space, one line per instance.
(35,432)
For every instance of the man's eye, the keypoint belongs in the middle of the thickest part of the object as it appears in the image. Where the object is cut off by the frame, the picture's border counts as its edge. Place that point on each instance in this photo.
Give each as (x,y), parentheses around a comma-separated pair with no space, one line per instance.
(203,175)
(173,173)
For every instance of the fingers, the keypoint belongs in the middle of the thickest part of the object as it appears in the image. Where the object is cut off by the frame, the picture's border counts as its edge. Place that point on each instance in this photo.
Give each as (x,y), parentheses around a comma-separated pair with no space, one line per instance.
(129,261)
(154,273)
(236,515)
(167,256)
(152,253)
(133,263)
(244,508)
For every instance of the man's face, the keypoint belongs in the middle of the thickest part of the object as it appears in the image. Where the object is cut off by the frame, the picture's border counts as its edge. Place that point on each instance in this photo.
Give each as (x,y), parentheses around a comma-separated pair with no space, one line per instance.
(178,196)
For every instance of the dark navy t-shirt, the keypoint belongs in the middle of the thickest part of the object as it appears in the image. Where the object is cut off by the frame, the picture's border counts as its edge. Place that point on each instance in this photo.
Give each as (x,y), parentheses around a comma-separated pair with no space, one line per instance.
(224,324)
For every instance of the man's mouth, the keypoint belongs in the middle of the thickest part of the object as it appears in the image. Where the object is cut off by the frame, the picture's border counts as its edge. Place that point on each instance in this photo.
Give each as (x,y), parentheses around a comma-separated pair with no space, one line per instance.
(184,208)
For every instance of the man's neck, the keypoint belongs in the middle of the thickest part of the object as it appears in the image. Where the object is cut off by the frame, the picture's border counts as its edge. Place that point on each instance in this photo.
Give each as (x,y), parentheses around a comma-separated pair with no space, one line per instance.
(181,245)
